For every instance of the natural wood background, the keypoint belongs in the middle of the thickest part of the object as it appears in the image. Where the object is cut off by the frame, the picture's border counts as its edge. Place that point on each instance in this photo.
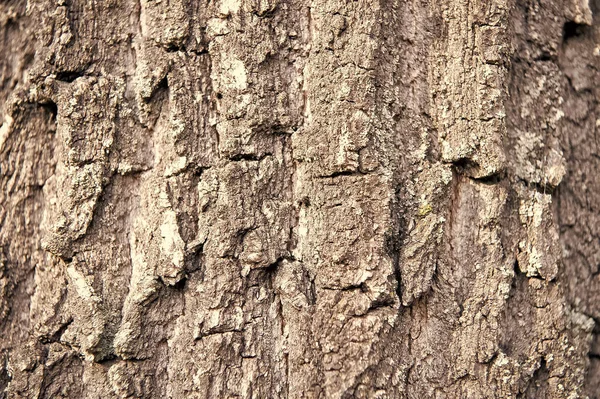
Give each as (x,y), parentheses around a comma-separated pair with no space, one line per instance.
(299,199)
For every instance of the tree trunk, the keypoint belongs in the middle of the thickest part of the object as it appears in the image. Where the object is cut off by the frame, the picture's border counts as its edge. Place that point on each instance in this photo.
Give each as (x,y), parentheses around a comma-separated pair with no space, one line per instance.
(299,199)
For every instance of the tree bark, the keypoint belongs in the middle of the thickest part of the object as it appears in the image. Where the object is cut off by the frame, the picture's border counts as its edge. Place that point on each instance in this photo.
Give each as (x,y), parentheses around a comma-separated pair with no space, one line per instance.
(299,199)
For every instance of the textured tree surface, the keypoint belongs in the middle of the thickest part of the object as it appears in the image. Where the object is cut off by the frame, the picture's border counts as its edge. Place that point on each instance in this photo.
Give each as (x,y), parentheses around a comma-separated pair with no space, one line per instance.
(299,199)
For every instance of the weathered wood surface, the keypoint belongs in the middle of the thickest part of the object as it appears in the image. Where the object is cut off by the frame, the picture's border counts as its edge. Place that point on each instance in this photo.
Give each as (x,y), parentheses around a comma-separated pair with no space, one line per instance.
(299,199)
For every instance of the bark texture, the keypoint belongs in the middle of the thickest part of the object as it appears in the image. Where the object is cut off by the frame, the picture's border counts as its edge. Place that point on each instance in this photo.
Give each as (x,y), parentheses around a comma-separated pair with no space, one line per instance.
(299,199)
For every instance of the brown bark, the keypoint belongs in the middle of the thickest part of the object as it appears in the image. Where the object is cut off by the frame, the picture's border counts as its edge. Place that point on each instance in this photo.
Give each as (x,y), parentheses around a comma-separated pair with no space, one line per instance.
(299,199)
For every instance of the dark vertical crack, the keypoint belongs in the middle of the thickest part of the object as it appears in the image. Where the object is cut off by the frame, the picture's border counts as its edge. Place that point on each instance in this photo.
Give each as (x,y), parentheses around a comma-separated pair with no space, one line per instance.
(5,376)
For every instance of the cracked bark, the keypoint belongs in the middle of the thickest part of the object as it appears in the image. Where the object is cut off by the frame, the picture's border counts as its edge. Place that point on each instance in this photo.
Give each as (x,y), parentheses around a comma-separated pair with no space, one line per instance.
(299,199)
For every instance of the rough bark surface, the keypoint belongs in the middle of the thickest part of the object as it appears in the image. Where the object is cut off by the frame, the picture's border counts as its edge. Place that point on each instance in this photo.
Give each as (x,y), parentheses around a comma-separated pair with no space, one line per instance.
(299,199)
